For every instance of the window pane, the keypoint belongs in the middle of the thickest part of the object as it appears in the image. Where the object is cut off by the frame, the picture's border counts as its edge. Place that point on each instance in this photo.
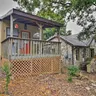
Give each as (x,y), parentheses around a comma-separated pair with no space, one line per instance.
(15,32)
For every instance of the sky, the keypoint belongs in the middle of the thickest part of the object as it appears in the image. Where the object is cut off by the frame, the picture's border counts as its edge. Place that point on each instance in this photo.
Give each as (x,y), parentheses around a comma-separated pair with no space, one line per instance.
(6,5)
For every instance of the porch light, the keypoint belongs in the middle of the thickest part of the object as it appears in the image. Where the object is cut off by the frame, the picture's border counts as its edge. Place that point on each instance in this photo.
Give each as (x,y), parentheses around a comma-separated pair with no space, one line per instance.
(16,26)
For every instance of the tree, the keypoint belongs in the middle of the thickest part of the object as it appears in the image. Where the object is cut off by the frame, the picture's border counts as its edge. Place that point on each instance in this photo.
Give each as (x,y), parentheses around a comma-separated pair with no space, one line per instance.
(51,9)
(58,10)
(69,32)
(83,11)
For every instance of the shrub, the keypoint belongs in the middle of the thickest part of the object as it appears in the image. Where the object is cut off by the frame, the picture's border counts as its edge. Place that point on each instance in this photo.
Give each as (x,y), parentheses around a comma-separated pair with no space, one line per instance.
(72,71)
(83,65)
(7,70)
(70,78)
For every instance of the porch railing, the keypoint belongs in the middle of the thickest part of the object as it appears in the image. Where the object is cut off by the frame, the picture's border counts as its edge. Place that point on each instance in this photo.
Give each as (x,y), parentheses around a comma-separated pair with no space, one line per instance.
(13,48)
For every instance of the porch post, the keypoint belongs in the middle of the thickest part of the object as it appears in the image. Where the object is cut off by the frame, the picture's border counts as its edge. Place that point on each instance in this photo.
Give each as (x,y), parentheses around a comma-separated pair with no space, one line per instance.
(11,25)
(41,31)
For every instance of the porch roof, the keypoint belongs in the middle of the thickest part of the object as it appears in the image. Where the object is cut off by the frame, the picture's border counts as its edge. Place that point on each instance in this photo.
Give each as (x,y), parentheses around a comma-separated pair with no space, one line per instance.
(27,18)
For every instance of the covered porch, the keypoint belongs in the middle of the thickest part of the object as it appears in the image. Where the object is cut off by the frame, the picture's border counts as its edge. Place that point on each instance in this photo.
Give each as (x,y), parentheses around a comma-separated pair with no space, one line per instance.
(28,54)
(20,40)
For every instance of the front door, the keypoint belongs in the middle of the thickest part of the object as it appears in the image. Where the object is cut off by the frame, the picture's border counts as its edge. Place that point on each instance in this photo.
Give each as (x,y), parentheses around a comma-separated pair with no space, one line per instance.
(26,46)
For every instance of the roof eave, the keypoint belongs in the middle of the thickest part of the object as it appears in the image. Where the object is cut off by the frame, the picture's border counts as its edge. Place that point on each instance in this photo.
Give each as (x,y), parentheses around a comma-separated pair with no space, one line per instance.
(7,14)
(28,15)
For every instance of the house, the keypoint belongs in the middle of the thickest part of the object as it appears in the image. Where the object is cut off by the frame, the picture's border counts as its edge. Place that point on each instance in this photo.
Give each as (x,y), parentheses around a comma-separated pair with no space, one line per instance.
(19,44)
(74,51)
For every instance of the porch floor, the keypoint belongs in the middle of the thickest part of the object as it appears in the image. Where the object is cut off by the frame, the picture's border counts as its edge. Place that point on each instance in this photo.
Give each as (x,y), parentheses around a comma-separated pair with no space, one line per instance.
(28,56)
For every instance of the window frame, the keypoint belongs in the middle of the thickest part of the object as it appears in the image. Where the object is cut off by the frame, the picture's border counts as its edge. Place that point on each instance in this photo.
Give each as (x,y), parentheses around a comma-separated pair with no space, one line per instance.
(14,35)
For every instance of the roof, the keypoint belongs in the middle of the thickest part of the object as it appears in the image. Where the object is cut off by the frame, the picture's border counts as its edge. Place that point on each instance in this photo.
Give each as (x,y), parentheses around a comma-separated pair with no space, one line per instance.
(29,18)
(74,41)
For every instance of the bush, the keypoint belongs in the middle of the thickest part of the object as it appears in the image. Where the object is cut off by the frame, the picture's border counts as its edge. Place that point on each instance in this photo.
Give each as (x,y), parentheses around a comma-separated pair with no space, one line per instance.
(7,70)
(72,71)
(70,79)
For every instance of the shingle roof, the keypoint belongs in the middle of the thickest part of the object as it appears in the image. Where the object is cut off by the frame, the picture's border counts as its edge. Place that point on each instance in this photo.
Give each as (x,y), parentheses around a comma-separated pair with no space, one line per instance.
(23,15)
(73,40)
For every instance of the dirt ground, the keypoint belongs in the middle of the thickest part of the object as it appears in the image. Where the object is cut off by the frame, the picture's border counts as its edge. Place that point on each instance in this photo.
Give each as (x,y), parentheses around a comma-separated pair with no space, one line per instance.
(53,85)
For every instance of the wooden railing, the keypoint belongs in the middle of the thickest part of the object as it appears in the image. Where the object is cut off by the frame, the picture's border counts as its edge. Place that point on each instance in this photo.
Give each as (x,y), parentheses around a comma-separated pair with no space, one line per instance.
(13,48)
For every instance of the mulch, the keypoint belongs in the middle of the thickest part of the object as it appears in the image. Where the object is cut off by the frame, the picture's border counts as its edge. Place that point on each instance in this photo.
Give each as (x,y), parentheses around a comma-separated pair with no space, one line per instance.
(51,85)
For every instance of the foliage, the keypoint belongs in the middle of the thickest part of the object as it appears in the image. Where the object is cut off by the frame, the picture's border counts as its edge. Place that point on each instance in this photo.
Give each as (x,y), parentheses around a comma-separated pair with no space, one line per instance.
(50,9)
(70,79)
(49,32)
(64,10)
(72,71)
(88,60)
(6,68)
(83,65)
(84,12)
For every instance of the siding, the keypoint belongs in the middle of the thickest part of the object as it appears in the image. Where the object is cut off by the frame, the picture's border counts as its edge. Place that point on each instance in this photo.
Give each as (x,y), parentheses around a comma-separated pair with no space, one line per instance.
(31,29)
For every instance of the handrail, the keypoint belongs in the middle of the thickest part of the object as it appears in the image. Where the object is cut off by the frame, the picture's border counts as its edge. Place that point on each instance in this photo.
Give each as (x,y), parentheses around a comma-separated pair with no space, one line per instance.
(12,49)
(28,40)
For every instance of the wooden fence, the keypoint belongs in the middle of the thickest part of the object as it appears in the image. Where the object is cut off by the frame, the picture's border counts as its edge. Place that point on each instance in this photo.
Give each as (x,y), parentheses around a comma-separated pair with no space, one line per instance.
(35,66)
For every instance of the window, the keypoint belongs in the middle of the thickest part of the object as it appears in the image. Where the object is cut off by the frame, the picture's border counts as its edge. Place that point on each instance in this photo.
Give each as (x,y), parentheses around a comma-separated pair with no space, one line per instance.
(15,32)
(77,54)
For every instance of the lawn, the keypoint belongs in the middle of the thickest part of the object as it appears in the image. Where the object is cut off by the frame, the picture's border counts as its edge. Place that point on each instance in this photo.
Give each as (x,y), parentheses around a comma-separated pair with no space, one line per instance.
(53,85)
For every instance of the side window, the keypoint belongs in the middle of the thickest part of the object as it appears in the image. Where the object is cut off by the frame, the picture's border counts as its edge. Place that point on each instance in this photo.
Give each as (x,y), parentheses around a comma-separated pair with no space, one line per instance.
(15,32)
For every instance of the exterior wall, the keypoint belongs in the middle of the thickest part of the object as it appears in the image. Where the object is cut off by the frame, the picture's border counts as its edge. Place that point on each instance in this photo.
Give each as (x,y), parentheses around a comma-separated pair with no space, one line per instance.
(93,46)
(31,29)
(81,58)
(4,24)
(66,53)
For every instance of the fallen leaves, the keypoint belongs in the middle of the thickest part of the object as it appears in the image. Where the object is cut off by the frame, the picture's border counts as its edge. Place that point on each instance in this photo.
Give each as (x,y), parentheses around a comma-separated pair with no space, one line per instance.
(51,85)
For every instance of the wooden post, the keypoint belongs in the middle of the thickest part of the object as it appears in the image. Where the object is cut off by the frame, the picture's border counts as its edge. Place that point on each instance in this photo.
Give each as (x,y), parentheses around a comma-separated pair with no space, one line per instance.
(11,25)
(41,32)
(58,34)
(72,55)
(41,35)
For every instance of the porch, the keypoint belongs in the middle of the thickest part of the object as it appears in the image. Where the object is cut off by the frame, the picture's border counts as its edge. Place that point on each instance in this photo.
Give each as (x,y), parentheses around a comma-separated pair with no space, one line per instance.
(18,48)
(28,55)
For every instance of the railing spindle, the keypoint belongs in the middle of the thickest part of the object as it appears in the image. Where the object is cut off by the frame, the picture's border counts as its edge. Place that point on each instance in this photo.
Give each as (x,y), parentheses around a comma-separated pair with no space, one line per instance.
(20,47)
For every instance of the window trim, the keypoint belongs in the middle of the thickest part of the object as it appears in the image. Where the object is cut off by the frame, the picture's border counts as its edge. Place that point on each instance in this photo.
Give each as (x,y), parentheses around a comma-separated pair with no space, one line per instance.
(7,35)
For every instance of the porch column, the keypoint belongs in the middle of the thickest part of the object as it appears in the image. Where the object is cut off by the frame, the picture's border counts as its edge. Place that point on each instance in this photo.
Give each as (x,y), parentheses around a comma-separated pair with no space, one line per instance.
(11,25)
(41,32)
